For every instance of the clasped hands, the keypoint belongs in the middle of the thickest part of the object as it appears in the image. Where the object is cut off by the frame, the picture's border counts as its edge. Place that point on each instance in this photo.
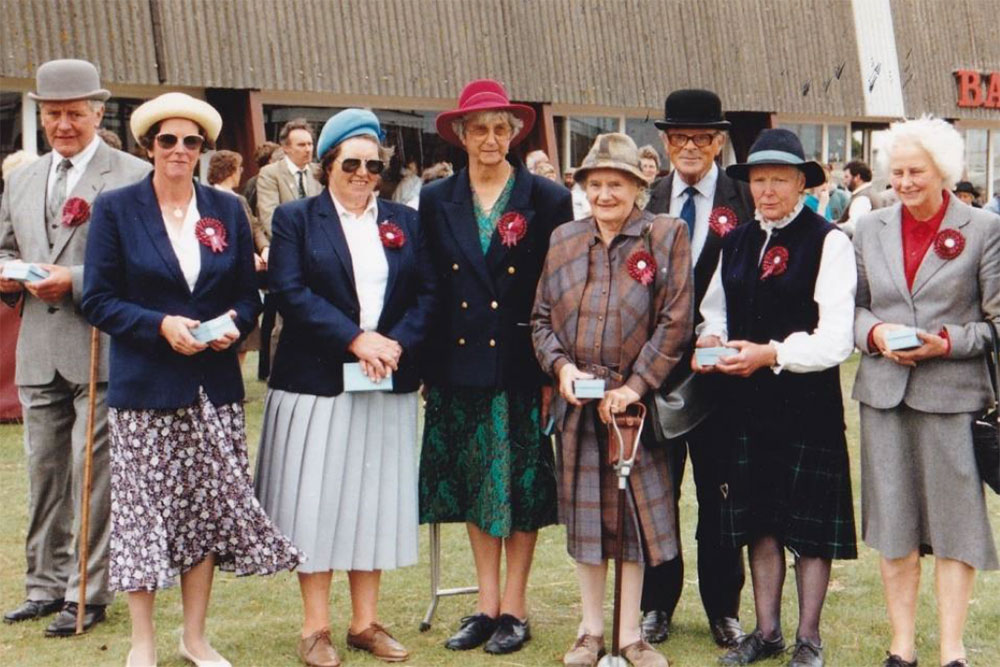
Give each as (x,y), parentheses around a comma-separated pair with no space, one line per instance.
(176,329)
(749,358)
(933,345)
(614,402)
(377,354)
(51,290)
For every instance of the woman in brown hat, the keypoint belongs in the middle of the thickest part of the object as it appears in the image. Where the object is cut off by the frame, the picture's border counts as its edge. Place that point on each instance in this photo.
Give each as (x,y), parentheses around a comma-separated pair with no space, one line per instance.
(485,460)
(593,317)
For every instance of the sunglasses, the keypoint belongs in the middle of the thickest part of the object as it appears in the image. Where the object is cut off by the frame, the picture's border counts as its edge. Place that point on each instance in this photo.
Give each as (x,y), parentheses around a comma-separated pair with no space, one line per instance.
(352,164)
(191,142)
(700,140)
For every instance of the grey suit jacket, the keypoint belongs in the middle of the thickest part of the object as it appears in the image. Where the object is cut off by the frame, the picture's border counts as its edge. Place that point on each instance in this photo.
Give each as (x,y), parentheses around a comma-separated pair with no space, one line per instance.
(57,339)
(957,294)
(276,185)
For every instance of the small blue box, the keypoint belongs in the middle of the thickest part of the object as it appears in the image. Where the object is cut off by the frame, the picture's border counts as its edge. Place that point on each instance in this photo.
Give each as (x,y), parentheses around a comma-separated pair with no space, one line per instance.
(709,356)
(24,272)
(902,339)
(214,329)
(588,388)
(355,380)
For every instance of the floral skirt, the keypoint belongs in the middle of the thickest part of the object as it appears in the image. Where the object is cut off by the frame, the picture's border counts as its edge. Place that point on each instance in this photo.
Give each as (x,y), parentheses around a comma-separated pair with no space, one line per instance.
(181,490)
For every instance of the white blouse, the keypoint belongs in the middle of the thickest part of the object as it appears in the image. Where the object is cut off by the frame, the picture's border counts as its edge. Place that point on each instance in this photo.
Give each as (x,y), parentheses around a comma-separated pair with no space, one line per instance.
(371,268)
(185,243)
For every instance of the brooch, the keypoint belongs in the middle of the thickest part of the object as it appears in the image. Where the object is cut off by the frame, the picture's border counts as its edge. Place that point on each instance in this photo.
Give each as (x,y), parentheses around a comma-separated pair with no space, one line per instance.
(512,228)
(642,267)
(722,220)
(211,233)
(75,212)
(391,234)
(775,262)
(949,243)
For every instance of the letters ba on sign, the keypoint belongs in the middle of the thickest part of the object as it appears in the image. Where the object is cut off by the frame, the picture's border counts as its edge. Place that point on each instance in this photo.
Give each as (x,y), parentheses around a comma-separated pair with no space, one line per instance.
(978,89)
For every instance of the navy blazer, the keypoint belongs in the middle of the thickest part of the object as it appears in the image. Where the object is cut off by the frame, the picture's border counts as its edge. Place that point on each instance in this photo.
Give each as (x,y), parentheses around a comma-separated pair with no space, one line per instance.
(133,280)
(311,277)
(482,332)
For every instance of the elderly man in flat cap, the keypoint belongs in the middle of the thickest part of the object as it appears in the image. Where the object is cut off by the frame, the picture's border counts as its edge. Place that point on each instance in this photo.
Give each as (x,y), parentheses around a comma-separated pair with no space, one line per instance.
(697,191)
(43,221)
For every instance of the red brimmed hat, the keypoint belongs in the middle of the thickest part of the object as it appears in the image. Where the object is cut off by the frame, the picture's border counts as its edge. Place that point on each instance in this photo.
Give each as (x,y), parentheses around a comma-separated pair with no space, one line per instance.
(484,95)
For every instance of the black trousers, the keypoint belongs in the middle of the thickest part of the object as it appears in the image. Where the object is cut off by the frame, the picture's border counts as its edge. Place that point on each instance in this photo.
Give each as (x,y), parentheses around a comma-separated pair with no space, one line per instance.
(721,572)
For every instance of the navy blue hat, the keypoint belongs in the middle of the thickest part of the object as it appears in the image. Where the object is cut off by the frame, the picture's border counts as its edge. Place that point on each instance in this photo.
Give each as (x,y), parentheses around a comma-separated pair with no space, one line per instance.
(778,147)
(346,124)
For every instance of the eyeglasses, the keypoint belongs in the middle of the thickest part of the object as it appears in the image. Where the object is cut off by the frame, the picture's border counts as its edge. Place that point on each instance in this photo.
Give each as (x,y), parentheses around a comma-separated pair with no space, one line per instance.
(191,142)
(678,140)
(352,164)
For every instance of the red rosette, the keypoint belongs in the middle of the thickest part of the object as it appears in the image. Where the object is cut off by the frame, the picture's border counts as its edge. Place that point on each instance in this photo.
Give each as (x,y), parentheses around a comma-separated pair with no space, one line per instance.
(512,228)
(391,234)
(722,220)
(642,267)
(211,233)
(949,243)
(775,262)
(75,212)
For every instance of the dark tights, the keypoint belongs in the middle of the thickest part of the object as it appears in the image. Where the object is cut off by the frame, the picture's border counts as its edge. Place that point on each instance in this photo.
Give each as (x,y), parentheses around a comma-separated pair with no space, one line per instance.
(767,571)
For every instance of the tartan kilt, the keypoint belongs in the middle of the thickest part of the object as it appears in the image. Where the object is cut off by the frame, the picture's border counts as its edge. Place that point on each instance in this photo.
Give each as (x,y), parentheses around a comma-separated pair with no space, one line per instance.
(791,482)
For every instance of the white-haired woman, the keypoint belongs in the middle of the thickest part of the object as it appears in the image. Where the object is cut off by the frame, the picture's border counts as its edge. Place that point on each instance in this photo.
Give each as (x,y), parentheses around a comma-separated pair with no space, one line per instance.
(485,460)
(930,263)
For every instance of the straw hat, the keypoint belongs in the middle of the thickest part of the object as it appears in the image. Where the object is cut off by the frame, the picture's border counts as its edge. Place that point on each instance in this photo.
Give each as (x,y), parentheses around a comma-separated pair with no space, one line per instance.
(176,105)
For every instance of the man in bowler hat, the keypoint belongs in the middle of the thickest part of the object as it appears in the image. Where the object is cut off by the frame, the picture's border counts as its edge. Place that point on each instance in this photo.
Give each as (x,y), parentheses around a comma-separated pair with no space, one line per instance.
(697,191)
(43,220)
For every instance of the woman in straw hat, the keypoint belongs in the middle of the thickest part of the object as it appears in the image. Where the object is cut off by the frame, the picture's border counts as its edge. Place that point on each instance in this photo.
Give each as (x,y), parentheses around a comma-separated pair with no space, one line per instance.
(485,460)
(165,258)
(614,303)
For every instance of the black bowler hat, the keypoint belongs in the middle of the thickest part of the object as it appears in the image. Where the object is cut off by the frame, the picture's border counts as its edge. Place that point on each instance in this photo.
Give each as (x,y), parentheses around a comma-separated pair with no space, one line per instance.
(778,147)
(692,108)
(966,187)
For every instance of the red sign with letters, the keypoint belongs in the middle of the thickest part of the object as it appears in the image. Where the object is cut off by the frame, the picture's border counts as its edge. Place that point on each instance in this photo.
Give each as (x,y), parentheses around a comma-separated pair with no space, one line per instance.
(978,89)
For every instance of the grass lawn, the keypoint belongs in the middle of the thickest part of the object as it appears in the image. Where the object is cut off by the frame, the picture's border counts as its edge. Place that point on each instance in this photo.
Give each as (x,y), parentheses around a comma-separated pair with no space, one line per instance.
(254,621)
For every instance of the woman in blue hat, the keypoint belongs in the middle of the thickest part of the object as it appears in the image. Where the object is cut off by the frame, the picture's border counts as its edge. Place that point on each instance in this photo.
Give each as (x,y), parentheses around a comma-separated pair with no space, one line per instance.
(782,301)
(337,468)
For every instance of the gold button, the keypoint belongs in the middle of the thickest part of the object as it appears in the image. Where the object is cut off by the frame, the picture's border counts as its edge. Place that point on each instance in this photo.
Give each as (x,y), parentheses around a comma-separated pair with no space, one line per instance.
(493,343)
(511,270)
(461,341)
(454,267)
(494,305)
(465,304)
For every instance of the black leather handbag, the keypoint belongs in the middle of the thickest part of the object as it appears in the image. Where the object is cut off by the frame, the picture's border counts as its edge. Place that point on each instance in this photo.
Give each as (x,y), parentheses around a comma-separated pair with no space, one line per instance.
(986,428)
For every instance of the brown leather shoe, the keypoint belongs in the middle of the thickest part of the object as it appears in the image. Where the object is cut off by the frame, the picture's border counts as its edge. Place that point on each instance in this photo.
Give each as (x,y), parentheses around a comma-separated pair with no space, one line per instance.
(317,650)
(586,651)
(641,654)
(377,641)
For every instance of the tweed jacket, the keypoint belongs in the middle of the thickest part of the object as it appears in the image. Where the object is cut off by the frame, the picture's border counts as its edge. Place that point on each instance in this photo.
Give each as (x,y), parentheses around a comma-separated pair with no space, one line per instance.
(56,339)
(276,185)
(956,294)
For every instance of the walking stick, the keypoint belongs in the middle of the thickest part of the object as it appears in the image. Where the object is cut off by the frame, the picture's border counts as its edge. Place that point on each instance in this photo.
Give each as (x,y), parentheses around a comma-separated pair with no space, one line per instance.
(88,460)
(624,432)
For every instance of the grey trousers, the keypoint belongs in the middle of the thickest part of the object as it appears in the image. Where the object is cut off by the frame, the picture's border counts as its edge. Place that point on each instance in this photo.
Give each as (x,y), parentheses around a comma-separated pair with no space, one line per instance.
(55,431)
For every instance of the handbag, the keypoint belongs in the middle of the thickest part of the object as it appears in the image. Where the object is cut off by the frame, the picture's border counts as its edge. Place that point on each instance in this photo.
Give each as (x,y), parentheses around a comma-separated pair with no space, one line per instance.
(986,427)
(676,410)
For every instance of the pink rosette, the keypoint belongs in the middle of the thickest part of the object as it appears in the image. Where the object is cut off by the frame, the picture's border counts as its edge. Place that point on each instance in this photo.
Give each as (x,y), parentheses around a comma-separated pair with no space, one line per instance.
(211,233)
(391,234)
(775,262)
(642,267)
(512,228)
(722,220)
(949,243)
(75,212)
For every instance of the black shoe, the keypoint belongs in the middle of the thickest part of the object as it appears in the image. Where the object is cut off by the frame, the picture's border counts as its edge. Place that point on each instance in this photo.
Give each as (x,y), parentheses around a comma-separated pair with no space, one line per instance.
(510,635)
(960,662)
(807,654)
(655,626)
(893,660)
(64,624)
(753,647)
(726,631)
(31,609)
(473,632)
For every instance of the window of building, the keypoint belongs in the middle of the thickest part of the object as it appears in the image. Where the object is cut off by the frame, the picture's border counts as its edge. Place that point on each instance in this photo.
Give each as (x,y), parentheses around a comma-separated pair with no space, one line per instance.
(836,144)
(976,149)
(811,136)
(643,133)
(581,132)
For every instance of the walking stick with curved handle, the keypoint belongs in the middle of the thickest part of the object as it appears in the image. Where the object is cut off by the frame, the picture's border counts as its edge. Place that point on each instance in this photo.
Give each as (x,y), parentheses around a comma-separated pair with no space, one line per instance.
(88,461)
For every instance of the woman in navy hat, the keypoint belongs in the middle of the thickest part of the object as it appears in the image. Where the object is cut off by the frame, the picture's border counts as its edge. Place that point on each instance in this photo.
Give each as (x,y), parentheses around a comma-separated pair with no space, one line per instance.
(337,465)
(782,302)
(485,460)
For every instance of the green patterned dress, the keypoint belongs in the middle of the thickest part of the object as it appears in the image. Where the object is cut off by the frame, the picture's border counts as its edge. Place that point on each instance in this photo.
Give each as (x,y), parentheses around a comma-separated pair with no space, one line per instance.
(484,458)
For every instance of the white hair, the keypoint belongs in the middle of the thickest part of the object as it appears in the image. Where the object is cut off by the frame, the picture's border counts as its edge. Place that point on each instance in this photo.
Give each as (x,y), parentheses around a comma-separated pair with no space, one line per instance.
(515,123)
(937,137)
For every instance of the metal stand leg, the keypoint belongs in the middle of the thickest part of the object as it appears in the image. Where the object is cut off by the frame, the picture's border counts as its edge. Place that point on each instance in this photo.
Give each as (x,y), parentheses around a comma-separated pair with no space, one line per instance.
(434,530)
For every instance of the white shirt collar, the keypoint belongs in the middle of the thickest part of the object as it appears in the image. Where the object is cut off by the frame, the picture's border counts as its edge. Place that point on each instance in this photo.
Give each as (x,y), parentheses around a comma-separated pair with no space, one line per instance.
(770,225)
(292,167)
(371,209)
(705,187)
(862,187)
(81,159)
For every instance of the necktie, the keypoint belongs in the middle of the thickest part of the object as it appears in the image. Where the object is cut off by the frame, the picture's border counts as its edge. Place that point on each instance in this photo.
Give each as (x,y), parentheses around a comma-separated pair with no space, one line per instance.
(302,184)
(57,193)
(687,210)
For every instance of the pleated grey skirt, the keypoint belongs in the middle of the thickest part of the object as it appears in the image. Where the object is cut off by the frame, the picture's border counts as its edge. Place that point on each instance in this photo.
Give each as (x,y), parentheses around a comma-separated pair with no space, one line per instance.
(338,476)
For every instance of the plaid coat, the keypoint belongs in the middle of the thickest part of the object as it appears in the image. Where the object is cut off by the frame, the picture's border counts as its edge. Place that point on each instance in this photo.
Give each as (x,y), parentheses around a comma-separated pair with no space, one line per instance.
(587,493)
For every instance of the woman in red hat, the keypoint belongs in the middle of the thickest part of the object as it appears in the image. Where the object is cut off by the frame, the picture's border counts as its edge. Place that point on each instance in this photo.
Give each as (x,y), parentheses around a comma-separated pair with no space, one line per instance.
(485,460)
